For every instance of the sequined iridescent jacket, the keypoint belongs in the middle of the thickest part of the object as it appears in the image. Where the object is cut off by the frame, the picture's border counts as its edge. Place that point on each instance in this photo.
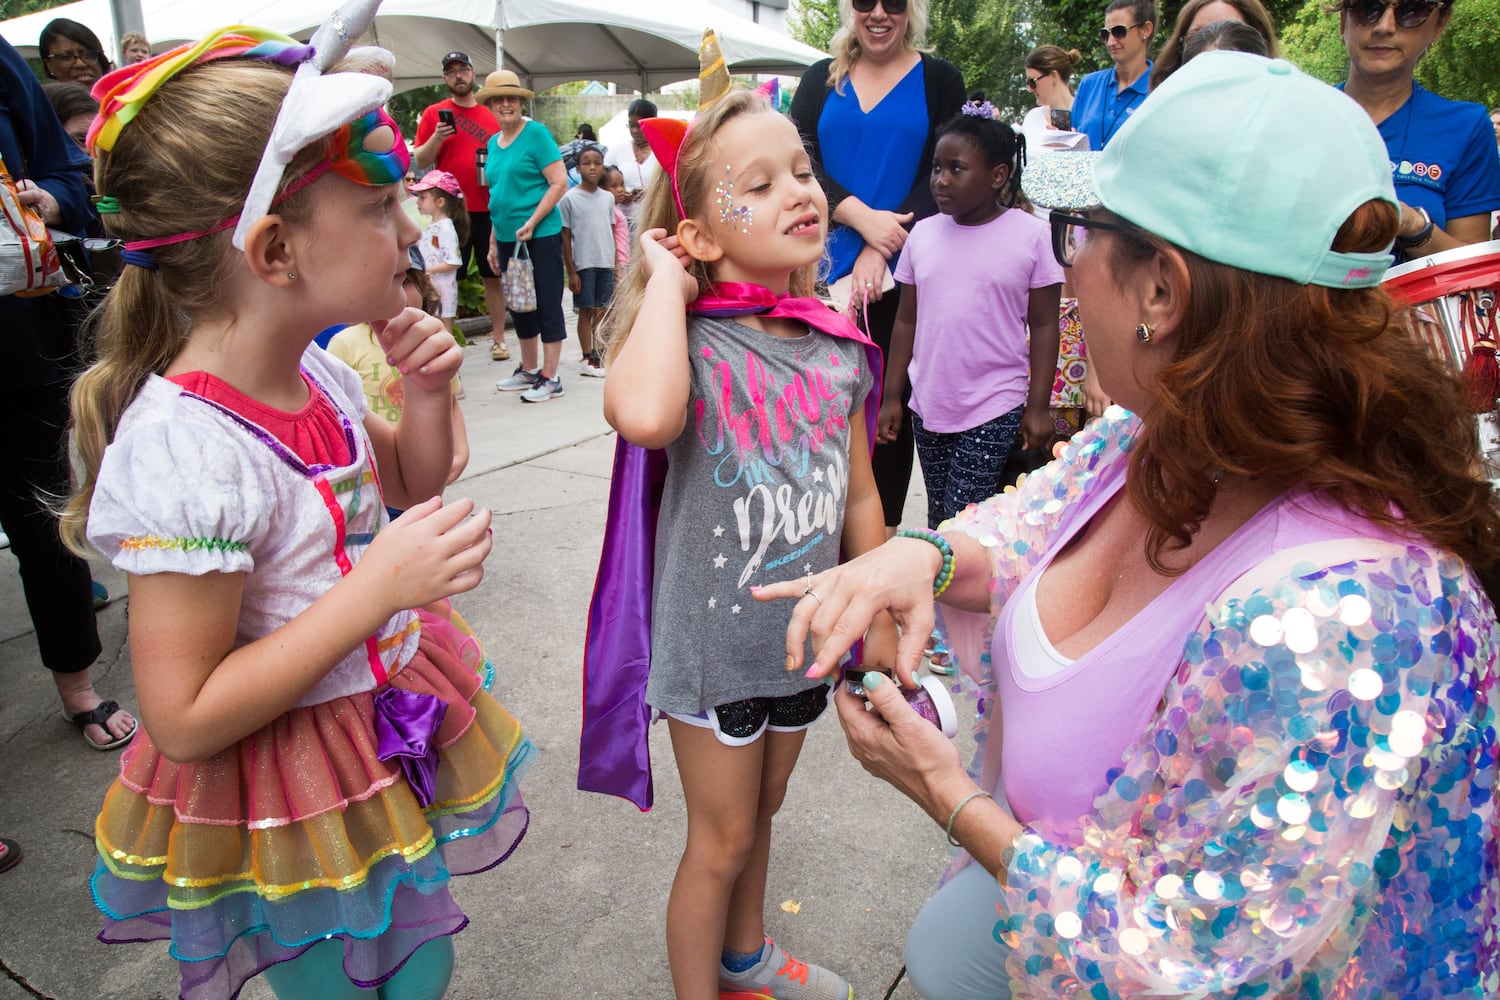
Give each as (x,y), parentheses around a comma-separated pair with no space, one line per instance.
(1308,811)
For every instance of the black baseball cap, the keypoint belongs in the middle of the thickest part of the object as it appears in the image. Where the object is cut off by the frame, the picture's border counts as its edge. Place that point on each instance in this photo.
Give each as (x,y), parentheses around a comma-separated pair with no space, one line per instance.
(459,57)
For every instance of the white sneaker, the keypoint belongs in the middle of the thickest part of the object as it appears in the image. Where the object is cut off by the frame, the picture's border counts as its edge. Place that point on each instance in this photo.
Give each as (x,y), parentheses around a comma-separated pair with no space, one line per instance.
(592,366)
(545,389)
(519,380)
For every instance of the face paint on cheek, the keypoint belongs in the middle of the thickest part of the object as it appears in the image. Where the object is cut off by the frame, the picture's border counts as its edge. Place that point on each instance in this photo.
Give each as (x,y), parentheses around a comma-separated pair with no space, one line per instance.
(736,218)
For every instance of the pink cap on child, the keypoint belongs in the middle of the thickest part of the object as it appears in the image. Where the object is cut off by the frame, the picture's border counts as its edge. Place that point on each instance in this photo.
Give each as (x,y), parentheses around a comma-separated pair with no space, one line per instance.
(440,179)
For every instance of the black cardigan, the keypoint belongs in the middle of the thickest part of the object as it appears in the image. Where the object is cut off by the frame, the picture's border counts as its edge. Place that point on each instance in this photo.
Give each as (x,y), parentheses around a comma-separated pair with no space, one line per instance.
(945,95)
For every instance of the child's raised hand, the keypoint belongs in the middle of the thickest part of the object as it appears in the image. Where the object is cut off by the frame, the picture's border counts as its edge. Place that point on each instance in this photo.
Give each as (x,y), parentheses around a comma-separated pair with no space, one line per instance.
(430,552)
(417,345)
(663,253)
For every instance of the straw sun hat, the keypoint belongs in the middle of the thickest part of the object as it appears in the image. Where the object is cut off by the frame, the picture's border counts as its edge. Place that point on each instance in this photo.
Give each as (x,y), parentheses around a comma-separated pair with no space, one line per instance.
(502,83)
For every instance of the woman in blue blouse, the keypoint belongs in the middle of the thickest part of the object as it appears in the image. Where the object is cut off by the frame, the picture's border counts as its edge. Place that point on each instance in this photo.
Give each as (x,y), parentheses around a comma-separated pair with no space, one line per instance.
(867,115)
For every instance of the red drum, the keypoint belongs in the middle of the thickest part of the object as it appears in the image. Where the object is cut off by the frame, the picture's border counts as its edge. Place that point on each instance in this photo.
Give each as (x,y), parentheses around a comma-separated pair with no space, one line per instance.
(1455,300)
(1455,295)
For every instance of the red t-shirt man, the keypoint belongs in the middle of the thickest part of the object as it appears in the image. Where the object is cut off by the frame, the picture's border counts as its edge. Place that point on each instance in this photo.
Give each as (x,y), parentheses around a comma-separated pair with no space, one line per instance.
(455,152)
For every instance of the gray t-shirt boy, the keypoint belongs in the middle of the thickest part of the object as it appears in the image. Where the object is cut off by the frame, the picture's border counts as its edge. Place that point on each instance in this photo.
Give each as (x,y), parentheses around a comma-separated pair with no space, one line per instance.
(590,216)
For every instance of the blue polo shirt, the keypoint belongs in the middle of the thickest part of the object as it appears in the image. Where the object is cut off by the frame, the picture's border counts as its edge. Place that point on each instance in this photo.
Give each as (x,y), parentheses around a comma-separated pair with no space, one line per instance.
(1101,108)
(1442,156)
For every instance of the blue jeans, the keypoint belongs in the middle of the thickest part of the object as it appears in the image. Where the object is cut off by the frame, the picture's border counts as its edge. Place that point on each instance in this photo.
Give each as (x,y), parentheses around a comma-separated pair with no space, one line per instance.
(547,271)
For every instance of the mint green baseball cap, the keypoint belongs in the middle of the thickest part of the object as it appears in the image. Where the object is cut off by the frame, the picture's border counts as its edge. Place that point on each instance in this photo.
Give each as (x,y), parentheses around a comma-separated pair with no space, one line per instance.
(1242,160)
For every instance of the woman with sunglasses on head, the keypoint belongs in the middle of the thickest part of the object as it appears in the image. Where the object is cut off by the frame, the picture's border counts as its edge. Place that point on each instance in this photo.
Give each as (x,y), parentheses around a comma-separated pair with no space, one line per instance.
(1106,99)
(72,53)
(869,116)
(1048,126)
(1242,741)
(1442,152)
(1199,14)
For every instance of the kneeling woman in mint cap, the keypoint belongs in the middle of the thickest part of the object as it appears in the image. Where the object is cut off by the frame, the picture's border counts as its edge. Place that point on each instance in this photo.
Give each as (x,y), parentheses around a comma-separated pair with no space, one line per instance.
(1243,674)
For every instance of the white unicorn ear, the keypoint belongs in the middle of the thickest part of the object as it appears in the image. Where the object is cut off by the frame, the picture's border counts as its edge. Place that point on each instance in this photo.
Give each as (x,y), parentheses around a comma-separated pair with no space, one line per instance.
(317,105)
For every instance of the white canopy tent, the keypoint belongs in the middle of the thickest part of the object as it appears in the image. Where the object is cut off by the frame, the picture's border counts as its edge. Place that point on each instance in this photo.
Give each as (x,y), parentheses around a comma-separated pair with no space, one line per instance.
(639,44)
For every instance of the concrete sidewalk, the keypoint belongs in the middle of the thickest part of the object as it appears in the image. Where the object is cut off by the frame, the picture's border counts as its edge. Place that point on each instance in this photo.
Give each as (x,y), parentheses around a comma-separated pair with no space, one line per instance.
(579,910)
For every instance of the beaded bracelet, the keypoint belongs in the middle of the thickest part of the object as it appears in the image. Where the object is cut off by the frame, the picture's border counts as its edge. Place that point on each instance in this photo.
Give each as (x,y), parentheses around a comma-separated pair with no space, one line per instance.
(945,573)
(958,809)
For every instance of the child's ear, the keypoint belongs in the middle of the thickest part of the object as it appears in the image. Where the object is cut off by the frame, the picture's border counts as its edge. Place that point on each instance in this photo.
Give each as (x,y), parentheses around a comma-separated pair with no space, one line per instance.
(698,242)
(1001,177)
(269,254)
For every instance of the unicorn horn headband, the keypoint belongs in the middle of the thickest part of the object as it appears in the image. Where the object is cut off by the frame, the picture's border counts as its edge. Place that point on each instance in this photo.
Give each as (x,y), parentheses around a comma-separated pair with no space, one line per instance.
(316,105)
(665,135)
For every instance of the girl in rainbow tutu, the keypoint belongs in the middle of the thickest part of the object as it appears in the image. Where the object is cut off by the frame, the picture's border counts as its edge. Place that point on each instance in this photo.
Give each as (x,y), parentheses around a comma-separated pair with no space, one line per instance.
(319,752)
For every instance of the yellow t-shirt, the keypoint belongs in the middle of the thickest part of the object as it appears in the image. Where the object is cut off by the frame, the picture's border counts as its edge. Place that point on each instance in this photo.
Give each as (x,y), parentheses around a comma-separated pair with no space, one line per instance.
(357,347)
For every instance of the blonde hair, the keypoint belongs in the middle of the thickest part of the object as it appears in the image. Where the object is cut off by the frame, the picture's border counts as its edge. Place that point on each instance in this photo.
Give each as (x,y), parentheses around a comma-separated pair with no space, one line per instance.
(845,46)
(659,211)
(165,186)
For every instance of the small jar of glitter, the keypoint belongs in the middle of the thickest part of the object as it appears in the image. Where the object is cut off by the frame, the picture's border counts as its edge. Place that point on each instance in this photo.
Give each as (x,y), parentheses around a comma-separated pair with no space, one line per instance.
(929,698)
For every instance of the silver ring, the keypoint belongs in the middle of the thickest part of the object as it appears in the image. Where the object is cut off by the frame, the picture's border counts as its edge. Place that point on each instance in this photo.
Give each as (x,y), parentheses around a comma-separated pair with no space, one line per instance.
(809,592)
(869,284)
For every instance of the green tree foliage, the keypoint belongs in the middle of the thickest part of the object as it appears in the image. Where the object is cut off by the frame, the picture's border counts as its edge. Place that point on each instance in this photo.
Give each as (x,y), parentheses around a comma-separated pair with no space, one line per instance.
(20,8)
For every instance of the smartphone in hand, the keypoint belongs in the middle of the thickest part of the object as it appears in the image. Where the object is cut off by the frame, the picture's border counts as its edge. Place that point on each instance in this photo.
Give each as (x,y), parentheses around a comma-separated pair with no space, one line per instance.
(445,116)
(1062,119)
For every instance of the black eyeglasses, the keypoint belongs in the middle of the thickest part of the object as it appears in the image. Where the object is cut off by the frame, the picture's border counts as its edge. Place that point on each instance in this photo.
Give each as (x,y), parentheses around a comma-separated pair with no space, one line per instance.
(1409,13)
(891,6)
(84,56)
(1071,232)
(1119,31)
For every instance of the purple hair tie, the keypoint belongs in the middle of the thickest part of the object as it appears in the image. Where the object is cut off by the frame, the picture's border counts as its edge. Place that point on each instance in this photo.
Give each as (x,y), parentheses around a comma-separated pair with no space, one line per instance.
(980,109)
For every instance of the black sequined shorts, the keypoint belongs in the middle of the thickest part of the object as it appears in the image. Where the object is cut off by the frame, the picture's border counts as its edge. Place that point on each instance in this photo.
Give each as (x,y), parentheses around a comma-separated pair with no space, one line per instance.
(740,723)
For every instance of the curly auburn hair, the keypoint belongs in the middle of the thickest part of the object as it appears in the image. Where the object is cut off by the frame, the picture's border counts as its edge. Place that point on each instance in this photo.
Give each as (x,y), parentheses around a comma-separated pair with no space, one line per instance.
(1305,384)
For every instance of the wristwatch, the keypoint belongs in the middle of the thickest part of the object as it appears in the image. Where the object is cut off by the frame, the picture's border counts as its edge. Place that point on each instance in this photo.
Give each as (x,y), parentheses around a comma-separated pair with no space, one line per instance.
(1422,235)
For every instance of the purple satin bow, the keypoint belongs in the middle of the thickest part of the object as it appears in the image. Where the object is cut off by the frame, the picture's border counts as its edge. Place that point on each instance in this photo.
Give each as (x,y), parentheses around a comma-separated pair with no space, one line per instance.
(406,725)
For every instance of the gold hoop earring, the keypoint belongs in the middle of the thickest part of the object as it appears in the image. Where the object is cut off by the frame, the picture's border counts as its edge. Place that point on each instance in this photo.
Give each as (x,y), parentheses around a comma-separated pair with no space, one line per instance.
(1144,331)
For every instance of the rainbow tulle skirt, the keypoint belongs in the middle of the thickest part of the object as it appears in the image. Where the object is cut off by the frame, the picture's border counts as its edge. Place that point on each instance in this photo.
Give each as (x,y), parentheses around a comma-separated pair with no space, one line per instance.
(300,832)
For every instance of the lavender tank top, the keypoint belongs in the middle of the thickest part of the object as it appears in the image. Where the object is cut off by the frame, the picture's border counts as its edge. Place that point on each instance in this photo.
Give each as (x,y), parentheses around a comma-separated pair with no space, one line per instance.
(1064,733)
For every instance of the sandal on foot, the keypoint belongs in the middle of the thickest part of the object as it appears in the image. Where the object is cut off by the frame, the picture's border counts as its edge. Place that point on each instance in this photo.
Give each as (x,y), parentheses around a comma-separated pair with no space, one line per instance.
(99,717)
(12,855)
(498,351)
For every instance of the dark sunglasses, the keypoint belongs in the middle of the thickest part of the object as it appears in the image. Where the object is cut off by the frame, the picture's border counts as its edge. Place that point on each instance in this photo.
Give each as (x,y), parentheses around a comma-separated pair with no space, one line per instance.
(1119,31)
(891,6)
(1032,81)
(1409,13)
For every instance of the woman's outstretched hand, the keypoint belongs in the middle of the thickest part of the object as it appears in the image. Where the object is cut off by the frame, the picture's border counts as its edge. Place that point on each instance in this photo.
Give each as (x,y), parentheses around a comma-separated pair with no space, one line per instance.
(896,577)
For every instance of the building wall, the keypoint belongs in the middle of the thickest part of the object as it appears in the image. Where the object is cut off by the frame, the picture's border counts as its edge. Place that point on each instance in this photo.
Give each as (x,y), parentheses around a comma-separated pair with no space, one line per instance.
(770,13)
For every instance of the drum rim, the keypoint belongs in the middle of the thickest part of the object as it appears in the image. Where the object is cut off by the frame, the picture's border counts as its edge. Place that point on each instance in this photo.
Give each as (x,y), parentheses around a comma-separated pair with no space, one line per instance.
(1444,258)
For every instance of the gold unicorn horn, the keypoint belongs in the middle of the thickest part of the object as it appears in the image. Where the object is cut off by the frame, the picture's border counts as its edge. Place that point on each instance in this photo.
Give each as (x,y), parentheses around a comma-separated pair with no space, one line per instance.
(713,75)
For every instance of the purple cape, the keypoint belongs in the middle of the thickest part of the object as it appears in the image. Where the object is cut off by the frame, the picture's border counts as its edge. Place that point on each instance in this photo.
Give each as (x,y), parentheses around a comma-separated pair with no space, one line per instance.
(614,755)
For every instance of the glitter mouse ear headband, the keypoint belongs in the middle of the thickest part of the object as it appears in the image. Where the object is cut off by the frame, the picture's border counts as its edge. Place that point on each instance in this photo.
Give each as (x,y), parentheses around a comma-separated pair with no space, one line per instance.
(316,105)
(665,135)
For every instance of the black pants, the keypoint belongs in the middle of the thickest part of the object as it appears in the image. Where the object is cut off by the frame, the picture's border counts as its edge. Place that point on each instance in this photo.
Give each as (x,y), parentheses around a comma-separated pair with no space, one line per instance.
(547,272)
(56,582)
(892,461)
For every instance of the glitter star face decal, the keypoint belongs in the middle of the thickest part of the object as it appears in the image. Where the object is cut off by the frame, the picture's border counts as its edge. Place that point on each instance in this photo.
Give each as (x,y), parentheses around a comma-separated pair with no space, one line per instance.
(736,218)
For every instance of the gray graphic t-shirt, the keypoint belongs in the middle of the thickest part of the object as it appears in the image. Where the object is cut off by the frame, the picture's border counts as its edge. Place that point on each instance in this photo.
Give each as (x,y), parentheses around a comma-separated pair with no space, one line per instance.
(755,493)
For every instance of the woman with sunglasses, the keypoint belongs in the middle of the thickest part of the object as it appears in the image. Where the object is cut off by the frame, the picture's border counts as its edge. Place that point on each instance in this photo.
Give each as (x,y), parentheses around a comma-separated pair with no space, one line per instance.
(1442,152)
(72,53)
(1106,99)
(1048,126)
(869,117)
(1242,735)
